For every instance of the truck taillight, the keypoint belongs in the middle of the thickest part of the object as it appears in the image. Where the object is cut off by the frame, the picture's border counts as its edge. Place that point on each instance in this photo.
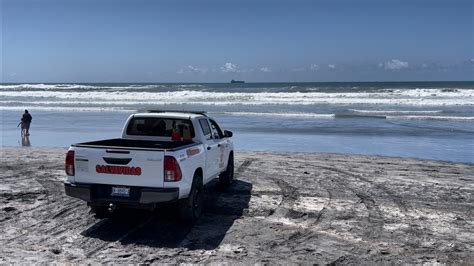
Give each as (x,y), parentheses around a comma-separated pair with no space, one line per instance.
(70,163)
(172,171)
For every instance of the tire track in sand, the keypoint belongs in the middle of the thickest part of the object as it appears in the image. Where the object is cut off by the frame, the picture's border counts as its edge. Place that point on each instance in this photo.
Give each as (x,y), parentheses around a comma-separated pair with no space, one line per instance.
(375,219)
(45,227)
(375,214)
(243,166)
(398,200)
(109,231)
(290,195)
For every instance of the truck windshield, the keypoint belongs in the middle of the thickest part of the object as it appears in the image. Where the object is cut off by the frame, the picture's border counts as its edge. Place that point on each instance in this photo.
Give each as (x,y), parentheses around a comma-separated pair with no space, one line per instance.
(158,126)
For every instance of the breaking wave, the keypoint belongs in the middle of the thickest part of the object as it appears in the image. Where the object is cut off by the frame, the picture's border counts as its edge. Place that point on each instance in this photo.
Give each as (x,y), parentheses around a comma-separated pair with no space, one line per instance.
(341,115)
(307,101)
(416,97)
(397,112)
(427,117)
(99,87)
(302,115)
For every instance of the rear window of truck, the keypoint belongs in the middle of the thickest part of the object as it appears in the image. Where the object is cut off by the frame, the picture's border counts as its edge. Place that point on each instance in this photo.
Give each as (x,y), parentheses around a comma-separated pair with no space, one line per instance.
(158,127)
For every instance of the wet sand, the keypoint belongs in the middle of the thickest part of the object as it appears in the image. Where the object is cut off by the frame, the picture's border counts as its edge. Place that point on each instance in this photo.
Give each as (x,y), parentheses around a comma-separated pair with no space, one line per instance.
(283,208)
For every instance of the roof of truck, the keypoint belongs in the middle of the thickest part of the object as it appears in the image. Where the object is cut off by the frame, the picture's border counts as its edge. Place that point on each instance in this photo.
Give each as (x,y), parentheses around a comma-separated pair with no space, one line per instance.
(183,115)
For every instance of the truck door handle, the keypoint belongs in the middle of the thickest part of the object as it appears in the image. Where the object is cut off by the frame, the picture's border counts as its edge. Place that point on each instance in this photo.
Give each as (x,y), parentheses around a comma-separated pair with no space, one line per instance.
(117,160)
(208,147)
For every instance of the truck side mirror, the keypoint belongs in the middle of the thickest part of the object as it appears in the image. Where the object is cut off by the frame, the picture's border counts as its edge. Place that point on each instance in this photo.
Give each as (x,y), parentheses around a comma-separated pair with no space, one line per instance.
(228,134)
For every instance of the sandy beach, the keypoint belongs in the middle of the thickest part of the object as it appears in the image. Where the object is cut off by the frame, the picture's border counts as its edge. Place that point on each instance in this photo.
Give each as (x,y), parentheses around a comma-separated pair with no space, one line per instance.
(283,208)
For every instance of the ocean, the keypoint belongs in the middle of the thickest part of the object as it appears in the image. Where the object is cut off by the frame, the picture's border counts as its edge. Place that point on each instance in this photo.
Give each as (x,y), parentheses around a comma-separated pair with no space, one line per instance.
(427,120)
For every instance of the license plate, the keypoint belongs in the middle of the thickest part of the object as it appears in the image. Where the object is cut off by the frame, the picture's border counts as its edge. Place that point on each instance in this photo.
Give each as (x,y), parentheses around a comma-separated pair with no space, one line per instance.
(121,191)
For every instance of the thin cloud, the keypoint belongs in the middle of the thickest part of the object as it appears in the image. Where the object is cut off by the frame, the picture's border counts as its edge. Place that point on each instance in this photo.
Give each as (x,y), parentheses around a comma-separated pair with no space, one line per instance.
(230,68)
(314,67)
(197,69)
(298,69)
(193,69)
(331,66)
(394,64)
(429,66)
(265,69)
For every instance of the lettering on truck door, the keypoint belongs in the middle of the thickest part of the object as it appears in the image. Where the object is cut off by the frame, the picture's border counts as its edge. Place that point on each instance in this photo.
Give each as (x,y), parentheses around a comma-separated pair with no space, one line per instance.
(218,137)
(212,151)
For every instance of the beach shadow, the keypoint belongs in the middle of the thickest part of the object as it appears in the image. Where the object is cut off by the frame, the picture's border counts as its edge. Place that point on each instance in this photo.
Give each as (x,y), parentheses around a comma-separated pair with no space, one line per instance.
(162,228)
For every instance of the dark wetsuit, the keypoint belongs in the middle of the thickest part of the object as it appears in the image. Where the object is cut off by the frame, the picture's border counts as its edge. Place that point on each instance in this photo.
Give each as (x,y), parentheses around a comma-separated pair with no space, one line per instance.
(26,121)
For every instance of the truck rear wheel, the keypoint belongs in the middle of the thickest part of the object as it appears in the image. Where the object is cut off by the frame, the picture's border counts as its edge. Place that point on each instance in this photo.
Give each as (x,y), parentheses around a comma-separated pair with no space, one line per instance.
(100,211)
(227,177)
(191,208)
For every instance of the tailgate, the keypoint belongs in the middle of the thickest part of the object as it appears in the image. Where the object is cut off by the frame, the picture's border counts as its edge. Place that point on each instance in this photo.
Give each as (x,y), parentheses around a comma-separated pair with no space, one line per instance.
(142,168)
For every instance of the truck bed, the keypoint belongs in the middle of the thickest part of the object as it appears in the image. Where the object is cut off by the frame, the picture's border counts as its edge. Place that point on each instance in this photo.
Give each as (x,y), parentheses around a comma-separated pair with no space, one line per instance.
(120,143)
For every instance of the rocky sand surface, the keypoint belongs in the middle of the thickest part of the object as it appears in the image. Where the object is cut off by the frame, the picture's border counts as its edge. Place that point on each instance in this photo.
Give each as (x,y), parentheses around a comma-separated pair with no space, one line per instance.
(283,208)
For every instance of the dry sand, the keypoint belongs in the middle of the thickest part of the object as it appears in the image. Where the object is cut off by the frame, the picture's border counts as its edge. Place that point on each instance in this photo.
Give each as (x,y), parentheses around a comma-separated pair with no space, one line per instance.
(311,208)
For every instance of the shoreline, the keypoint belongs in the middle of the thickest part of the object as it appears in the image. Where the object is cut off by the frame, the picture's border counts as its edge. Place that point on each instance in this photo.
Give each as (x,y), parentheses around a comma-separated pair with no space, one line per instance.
(280,153)
(290,207)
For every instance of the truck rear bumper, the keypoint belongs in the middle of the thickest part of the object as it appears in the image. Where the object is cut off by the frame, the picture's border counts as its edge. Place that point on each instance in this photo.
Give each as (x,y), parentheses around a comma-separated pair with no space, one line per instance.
(97,193)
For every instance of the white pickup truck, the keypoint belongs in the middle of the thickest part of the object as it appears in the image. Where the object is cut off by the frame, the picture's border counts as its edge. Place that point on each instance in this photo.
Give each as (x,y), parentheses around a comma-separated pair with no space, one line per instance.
(162,156)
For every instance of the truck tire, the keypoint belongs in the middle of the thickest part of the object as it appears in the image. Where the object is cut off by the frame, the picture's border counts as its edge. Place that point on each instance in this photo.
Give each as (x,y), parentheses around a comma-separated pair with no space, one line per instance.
(100,211)
(227,177)
(191,208)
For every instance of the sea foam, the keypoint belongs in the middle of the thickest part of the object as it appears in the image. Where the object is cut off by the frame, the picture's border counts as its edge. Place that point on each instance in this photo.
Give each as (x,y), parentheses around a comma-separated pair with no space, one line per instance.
(416,97)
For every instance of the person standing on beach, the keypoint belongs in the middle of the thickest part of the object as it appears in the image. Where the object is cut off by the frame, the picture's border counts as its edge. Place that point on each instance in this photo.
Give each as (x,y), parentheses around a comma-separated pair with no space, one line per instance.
(25,123)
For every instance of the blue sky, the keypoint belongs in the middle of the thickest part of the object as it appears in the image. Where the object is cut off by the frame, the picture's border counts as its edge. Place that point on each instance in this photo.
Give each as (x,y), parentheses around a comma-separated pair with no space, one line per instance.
(215,41)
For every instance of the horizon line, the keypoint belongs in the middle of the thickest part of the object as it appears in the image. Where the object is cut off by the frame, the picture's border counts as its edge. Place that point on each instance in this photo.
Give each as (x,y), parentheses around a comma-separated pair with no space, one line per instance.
(216,82)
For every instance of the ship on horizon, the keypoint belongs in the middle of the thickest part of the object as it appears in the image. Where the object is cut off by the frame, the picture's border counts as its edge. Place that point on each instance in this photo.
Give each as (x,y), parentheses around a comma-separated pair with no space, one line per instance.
(237,81)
